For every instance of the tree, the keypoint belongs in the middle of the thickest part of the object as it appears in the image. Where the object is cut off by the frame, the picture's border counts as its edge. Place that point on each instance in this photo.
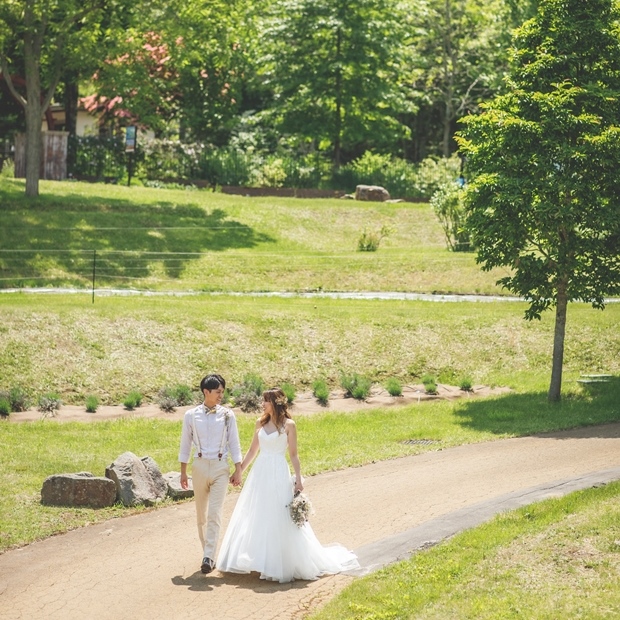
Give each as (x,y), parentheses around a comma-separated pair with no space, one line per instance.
(458,59)
(543,159)
(333,67)
(39,40)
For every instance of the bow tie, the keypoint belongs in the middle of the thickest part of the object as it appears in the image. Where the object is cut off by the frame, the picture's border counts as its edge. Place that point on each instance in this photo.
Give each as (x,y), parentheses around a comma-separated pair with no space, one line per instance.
(209,410)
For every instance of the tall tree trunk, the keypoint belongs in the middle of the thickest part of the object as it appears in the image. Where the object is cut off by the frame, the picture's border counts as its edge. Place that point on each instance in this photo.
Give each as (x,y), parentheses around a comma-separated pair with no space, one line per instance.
(338,119)
(34,114)
(555,387)
(71,95)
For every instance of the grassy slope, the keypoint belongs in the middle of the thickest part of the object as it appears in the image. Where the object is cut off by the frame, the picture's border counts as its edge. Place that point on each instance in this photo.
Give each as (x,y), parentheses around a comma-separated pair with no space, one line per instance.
(199,240)
(65,343)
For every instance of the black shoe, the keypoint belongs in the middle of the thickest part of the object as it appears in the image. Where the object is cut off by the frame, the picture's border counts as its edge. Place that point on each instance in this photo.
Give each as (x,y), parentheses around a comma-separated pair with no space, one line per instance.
(207,566)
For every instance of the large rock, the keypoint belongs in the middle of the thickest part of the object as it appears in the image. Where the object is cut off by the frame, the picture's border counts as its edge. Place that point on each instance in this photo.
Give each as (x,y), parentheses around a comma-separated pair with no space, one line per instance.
(81,489)
(161,486)
(134,482)
(175,490)
(374,193)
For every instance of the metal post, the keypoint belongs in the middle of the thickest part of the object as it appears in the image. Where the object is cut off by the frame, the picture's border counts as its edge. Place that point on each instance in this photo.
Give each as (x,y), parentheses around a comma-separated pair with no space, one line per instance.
(94,271)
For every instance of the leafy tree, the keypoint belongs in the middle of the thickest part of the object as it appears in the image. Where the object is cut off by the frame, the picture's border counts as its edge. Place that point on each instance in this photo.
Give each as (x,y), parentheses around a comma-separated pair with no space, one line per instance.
(543,199)
(38,41)
(333,67)
(180,67)
(458,60)
(138,82)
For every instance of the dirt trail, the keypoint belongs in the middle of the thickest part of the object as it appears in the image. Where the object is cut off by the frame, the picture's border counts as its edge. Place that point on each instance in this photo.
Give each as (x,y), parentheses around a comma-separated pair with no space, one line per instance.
(147,566)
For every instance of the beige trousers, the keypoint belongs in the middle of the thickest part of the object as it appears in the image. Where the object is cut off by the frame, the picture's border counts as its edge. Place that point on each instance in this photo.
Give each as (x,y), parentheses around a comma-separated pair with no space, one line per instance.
(210,482)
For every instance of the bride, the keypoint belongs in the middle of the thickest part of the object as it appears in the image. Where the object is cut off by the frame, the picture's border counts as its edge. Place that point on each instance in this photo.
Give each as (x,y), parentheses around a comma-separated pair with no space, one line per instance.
(261,536)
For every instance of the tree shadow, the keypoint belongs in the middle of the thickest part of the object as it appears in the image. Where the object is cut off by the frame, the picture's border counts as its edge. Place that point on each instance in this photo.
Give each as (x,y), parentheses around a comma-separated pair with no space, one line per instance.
(528,414)
(61,235)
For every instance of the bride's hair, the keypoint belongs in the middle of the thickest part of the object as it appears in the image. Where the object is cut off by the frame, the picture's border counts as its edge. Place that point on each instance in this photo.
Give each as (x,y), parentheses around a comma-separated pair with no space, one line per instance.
(278,399)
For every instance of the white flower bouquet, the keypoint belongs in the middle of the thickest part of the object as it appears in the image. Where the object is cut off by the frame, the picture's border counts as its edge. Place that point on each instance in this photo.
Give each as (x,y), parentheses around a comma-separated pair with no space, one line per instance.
(300,508)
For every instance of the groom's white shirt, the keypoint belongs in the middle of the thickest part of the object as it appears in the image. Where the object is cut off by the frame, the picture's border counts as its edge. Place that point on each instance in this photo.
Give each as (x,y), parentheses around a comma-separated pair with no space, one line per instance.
(210,428)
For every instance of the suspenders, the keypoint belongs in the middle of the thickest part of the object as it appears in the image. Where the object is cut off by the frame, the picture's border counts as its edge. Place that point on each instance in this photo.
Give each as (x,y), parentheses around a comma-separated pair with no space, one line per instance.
(224,434)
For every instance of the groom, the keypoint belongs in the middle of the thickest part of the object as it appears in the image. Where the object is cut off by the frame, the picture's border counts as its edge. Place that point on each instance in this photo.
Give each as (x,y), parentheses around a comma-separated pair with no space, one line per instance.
(212,430)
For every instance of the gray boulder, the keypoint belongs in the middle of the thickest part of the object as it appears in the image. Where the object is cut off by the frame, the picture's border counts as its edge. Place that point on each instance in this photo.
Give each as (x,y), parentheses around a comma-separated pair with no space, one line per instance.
(161,486)
(134,482)
(175,490)
(374,193)
(81,489)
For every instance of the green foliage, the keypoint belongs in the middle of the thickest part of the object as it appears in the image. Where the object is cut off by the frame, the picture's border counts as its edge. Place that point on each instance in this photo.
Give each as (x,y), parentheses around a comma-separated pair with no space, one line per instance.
(457,62)
(320,391)
(18,399)
(289,390)
(466,384)
(92,403)
(132,400)
(369,241)
(430,384)
(398,176)
(317,54)
(394,387)
(49,404)
(355,385)
(248,395)
(447,202)
(5,407)
(182,394)
(8,169)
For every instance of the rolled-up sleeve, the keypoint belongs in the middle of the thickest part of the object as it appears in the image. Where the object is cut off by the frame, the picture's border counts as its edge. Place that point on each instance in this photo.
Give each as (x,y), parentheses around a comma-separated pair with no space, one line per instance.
(186,439)
(234,444)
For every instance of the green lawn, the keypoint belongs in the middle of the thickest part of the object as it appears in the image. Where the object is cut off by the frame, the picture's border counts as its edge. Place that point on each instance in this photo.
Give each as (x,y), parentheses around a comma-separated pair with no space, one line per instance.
(555,559)
(199,240)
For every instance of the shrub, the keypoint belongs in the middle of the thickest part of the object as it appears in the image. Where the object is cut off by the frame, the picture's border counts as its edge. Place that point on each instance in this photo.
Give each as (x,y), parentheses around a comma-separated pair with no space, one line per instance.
(167,403)
(18,399)
(434,172)
(182,395)
(394,387)
(49,404)
(5,407)
(466,384)
(369,241)
(248,394)
(355,385)
(7,170)
(447,202)
(430,384)
(133,400)
(320,391)
(289,390)
(396,175)
(92,403)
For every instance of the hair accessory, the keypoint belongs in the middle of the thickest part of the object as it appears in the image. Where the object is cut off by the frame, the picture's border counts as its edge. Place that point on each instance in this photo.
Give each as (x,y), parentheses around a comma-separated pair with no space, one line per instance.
(281,400)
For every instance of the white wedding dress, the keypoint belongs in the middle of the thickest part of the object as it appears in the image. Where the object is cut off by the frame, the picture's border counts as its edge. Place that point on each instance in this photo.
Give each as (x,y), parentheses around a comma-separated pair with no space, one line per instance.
(261,536)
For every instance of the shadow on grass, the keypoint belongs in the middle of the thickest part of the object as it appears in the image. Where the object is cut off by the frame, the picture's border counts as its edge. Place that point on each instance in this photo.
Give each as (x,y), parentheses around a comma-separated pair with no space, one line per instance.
(526,414)
(52,235)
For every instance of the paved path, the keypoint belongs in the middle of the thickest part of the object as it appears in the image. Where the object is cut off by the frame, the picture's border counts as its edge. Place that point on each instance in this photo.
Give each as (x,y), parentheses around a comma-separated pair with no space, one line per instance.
(147,566)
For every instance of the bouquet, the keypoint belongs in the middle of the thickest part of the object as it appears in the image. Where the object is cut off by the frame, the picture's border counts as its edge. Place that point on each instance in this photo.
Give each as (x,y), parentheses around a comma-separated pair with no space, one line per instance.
(300,508)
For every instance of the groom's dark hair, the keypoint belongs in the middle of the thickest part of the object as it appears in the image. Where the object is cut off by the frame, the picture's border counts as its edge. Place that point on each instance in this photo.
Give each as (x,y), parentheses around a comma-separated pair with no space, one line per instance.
(212,382)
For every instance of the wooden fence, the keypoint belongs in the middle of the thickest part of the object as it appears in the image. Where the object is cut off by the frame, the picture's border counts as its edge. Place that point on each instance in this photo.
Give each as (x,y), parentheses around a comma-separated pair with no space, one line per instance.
(53,155)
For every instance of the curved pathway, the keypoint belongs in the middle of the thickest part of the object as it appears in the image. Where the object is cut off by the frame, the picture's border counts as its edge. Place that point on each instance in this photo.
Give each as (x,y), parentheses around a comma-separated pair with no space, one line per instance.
(148,566)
